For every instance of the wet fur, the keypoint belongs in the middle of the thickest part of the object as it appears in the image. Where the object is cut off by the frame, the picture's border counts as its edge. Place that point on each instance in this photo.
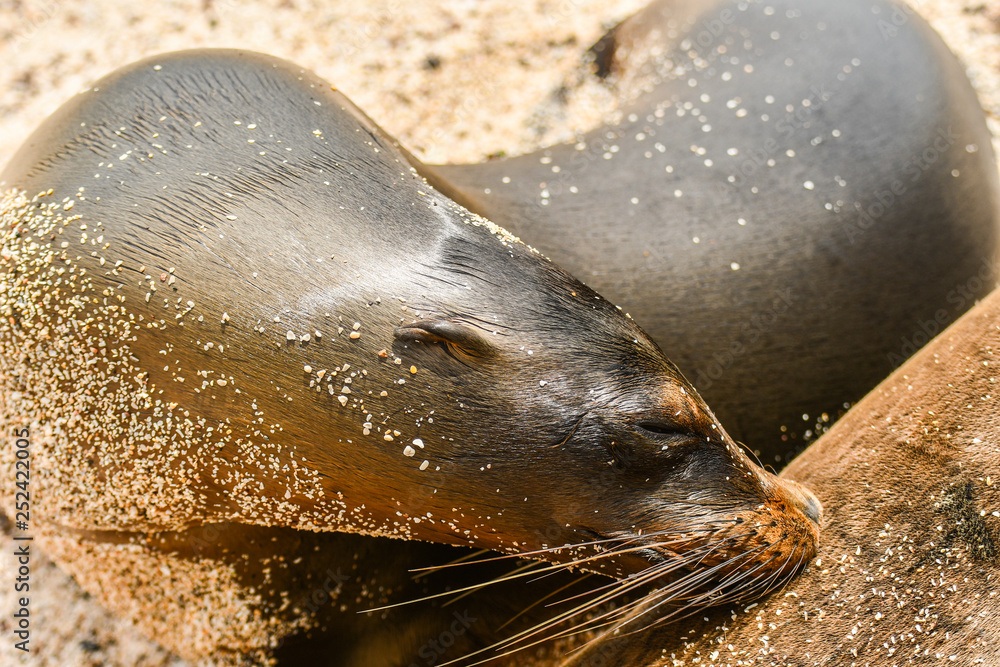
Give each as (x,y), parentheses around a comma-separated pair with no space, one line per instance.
(193,413)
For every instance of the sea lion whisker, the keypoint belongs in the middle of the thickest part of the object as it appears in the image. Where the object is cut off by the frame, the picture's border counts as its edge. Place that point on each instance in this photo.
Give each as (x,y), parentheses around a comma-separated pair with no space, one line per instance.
(520,636)
(738,576)
(783,576)
(552,623)
(775,580)
(467,560)
(624,586)
(725,595)
(461,560)
(600,556)
(651,574)
(679,587)
(749,452)
(524,571)
(552,568)
(751,589)
(614,584)
(745,581)
(512,574)
(625,609)
(645,576)
(715,546)
(702,527)
(606,554)
(683,539)
(660,569)
(598,624)
(523,554)
(671,564)
(517,574)
(586,575)
(682,586)
(678,614)
(798,565)
(692,557)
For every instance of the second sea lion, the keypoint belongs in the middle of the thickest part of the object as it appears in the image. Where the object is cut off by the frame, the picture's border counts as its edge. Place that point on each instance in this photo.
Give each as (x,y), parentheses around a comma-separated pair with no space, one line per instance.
(796,197)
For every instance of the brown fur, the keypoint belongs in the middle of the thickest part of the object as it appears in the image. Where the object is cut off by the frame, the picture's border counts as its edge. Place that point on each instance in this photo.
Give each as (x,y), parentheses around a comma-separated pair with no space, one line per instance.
(186,364)
(908,568)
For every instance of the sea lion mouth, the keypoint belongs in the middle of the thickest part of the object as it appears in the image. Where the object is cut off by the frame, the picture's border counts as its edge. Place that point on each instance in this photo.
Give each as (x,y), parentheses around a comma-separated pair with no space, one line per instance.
(666,576)
(747,554)
(722,568)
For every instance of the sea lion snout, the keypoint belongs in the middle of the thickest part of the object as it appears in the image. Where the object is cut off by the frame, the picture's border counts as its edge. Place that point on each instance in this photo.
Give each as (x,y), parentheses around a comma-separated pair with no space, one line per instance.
(804,500)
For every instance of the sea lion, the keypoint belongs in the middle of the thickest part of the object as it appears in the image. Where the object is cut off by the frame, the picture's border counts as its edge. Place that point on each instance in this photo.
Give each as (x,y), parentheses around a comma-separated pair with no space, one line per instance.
(907,571)
(798,195)
(227,324)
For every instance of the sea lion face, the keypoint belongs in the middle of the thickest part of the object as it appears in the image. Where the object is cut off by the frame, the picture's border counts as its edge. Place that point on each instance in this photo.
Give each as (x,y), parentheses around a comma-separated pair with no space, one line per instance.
(600,452)
(316,338)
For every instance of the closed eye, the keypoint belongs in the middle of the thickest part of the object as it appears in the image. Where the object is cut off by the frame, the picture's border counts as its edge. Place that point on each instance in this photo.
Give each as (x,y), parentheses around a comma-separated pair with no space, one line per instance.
(450,350)
(457,340)
(661,430)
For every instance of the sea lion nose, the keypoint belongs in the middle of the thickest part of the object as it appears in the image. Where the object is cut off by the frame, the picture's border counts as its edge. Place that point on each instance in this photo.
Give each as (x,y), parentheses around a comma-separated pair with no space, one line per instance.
(807,503)
(813,509)
(804,500)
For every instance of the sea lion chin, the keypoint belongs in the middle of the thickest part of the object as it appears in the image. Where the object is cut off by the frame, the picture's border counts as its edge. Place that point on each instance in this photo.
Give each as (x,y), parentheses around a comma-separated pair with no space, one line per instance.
(220,312)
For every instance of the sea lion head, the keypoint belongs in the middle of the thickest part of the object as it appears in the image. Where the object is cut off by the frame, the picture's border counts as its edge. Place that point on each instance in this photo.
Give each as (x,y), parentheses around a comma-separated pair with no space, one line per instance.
(568,434)
(230,297)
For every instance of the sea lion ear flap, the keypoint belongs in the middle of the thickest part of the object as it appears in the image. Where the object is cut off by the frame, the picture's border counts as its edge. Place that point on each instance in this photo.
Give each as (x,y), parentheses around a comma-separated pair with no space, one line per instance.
(457,338)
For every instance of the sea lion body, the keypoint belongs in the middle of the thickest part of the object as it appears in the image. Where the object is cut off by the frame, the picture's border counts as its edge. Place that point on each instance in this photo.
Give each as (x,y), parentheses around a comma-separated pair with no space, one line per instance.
(797,197)
(220,315)
(907,571)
